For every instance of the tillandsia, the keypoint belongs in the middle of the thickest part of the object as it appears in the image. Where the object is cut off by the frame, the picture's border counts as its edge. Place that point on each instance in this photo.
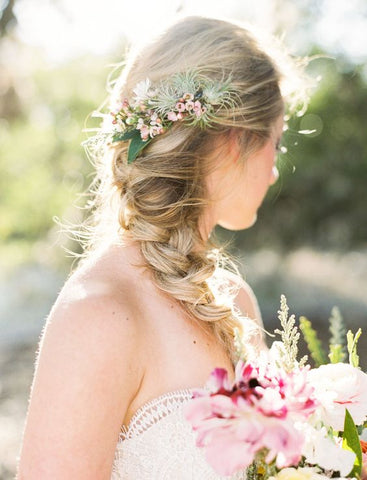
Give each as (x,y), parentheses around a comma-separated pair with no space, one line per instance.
(190,97)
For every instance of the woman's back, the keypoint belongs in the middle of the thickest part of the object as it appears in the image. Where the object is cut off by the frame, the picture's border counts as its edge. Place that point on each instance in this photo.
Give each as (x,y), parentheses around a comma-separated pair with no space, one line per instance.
(112,343)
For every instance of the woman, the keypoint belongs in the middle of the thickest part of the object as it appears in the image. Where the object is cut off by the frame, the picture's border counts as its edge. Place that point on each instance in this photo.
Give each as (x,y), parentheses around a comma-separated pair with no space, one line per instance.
(197,118)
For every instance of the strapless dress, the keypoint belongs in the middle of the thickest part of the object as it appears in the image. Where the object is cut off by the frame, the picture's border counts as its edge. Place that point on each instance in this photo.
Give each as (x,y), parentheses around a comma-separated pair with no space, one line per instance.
(159,444)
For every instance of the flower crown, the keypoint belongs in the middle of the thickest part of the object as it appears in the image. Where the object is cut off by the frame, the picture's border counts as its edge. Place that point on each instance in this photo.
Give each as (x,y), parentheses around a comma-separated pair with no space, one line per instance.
(189,97)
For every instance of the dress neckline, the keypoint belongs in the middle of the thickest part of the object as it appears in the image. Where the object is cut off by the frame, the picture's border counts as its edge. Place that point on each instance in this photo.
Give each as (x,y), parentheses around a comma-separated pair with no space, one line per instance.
(150,412)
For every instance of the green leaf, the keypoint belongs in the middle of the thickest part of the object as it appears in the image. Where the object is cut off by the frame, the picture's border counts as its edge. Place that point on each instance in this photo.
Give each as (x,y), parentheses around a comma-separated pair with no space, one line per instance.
(351,442)
(352,341)
(123,136)
(136,142)
(136,146)
(313,343)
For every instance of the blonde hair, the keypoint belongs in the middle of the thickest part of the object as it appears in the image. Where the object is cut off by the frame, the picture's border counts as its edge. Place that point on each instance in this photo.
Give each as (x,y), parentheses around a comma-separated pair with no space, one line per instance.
(160,198)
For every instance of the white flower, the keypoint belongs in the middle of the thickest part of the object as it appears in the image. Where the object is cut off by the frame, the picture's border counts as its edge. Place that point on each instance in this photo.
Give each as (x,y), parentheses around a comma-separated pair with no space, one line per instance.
(143,91)
(321,450)
(305,473)
(339,386)
(301,473)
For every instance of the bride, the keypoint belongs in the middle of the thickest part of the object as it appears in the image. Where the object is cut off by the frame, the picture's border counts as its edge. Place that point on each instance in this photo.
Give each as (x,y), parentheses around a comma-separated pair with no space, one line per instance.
(190,143)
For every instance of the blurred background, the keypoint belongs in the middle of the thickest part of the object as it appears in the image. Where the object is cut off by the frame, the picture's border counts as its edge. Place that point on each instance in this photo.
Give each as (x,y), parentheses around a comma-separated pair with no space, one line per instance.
(310,240)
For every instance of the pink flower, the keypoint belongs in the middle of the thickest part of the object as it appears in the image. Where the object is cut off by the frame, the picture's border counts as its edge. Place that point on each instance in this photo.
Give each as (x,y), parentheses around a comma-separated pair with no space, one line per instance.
(172,116)
(218,381)
(188,96)
(155,130)
(144,132)
(197,108)
(232,436)
(235,421)
(190,105)
(364,466)
(180,106)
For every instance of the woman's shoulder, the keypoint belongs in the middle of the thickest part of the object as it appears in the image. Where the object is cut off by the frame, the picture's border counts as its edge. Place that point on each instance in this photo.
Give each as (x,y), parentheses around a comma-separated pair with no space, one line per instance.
(95,300)
(106,280)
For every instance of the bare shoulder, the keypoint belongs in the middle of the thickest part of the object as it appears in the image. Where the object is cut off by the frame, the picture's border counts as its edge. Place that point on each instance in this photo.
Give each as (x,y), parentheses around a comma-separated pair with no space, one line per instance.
(87,373)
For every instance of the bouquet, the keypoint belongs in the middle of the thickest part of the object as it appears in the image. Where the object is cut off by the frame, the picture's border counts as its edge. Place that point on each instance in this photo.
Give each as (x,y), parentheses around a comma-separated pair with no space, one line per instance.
(282,419)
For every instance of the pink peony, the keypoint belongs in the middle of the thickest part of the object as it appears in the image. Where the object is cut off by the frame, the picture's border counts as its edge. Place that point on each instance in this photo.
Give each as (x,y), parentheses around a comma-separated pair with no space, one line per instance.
(235,421)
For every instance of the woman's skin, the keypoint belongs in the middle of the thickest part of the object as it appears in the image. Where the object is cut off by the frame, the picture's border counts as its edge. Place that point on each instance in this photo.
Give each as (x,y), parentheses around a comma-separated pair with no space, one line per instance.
(113,340)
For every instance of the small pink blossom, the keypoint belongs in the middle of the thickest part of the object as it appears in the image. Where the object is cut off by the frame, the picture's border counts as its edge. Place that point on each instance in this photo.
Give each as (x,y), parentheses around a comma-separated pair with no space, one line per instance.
(188,97)
(197,108)
(144,132)
(155,130)
(189,105)
(180,106)
(172,116)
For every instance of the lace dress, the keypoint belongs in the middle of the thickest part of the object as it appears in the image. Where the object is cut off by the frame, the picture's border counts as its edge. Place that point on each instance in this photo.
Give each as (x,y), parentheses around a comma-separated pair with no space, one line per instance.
(159,444)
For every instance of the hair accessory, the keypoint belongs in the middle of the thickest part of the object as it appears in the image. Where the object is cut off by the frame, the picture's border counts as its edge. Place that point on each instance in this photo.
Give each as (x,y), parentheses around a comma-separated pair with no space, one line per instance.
(189,97)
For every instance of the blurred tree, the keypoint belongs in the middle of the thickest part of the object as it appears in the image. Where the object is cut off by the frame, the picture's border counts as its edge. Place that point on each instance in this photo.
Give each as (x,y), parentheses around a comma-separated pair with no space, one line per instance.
(320,198)
(44,168)
(8,20)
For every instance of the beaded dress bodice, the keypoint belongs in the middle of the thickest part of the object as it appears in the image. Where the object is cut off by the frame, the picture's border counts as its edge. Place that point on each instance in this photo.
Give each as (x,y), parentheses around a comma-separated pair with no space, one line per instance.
(159,444)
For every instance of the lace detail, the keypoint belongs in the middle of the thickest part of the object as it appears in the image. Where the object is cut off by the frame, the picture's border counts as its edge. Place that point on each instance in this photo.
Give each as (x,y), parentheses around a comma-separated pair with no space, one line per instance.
(159,444)
(153,411)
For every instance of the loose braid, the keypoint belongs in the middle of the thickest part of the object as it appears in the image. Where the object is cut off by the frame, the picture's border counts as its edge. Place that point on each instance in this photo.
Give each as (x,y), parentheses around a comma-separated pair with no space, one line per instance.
(161,196)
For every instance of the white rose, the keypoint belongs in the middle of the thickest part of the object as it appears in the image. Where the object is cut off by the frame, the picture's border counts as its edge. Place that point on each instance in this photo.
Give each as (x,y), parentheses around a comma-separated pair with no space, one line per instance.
(321,450)
(339,386)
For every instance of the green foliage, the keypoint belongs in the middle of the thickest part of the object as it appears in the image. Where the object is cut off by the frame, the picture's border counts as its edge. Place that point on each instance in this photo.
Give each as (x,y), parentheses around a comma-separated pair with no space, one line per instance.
(351,442)
(313,343)
(320,197)
(43,166)
(337,350)
(352,341)
(336,354)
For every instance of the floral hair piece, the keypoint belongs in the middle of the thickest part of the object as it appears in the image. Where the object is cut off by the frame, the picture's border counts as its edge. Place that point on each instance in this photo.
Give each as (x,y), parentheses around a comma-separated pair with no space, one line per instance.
(189,97)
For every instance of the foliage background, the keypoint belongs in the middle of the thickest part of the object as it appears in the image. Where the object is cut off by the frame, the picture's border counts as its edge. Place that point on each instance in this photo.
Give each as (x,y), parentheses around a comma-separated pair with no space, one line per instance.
(310,240)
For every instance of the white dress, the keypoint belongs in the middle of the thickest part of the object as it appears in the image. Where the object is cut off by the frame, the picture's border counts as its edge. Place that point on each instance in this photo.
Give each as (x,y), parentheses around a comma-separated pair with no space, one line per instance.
(159,444)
